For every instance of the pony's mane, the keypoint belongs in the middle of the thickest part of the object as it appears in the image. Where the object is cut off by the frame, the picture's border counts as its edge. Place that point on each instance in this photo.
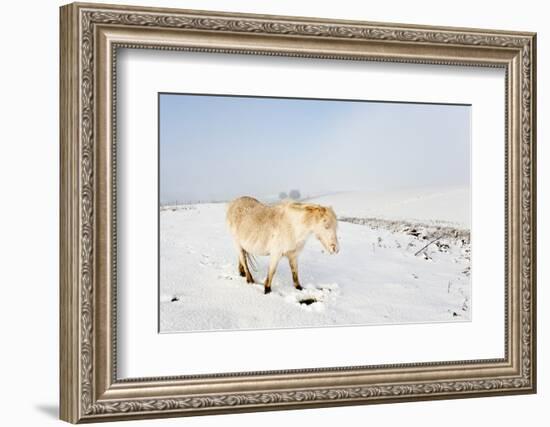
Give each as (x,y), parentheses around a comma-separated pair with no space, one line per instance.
(308,207)
(300,205)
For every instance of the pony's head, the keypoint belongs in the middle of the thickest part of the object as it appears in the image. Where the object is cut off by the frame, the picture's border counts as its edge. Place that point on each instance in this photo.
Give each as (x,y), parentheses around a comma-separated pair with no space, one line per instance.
(324,227)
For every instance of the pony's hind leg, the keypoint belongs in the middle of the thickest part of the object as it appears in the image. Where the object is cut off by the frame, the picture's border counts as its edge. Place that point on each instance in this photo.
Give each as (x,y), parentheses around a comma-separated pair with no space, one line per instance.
(273,261)
(244,270)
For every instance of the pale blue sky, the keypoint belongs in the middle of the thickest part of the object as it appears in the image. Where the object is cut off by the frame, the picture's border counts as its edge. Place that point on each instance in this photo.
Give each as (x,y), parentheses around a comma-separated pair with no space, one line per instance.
(220,147)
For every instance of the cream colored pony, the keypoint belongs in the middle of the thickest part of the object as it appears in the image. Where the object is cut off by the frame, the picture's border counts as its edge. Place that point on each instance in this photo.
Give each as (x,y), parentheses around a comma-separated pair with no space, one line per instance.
(278,230)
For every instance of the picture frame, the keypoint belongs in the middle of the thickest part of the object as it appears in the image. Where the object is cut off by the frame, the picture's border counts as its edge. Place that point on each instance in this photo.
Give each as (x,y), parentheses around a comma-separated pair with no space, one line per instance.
(90,37)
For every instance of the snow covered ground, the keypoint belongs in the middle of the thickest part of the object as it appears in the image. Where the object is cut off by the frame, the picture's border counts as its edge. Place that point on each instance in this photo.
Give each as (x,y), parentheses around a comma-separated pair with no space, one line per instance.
(381,275)
(430,205)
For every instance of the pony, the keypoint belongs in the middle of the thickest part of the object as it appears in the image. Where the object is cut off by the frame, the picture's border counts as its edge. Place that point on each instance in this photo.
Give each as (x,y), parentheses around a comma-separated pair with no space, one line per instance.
(279,230)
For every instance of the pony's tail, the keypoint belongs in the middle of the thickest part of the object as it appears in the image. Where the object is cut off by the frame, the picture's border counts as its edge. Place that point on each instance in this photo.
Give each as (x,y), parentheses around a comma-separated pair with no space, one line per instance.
(250,260)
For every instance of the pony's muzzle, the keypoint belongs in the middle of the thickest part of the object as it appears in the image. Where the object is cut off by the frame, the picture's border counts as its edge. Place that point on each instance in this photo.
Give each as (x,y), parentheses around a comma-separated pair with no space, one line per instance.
(334,249)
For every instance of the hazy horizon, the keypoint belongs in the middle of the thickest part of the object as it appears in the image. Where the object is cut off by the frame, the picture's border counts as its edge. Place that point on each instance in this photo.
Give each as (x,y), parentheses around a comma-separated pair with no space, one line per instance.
(221,147)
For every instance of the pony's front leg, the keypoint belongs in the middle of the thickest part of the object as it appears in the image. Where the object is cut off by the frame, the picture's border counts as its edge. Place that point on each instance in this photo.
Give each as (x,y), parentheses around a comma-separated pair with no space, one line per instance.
(273,261)
(293,261)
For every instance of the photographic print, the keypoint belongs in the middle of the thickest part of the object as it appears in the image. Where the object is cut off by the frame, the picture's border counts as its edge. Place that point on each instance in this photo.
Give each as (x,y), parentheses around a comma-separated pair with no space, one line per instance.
(292,213)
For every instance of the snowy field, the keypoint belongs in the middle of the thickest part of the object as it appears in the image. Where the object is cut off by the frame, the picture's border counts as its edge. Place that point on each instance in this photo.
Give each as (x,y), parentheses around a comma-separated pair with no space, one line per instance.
(382,274)
(447,206)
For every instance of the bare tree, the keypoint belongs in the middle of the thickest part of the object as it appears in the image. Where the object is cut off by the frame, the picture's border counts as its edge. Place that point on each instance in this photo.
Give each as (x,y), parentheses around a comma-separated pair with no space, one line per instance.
(294,194)
(283,195)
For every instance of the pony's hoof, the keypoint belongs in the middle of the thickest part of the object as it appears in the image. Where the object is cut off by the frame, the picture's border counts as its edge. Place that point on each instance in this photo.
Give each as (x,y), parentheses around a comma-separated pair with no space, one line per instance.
(299,288)
(249,280)
(267,291)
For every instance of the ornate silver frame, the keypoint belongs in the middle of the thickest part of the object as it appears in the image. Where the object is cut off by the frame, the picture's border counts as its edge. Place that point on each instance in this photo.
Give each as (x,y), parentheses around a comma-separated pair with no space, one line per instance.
(90,36)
